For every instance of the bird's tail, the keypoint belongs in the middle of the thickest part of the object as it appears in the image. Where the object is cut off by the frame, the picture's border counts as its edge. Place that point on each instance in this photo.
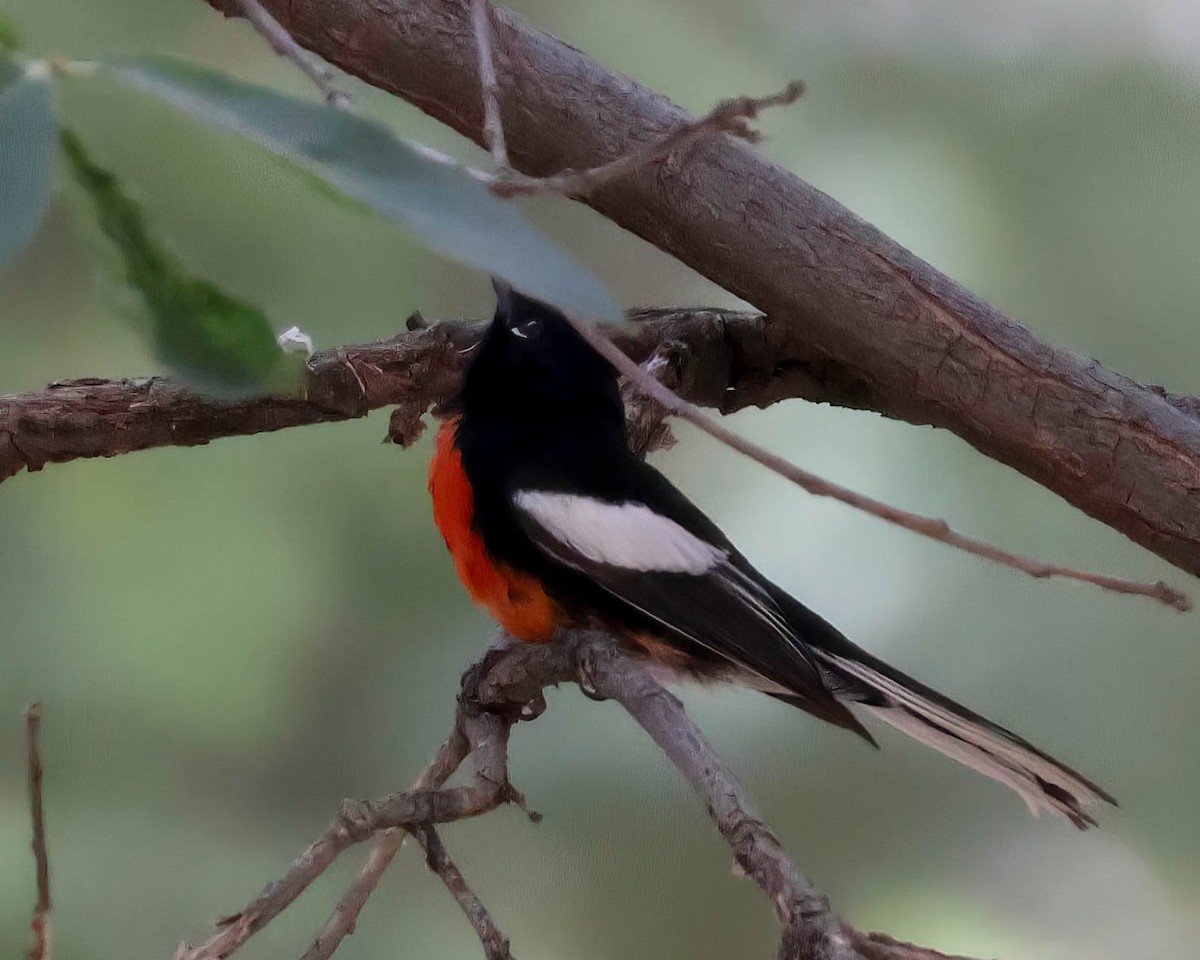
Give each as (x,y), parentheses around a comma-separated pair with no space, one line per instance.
(912,708)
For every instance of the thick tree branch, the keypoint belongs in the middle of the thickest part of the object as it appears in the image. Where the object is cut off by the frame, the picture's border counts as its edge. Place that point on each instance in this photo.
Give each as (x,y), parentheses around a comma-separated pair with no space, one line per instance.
(916,345)
(505,686)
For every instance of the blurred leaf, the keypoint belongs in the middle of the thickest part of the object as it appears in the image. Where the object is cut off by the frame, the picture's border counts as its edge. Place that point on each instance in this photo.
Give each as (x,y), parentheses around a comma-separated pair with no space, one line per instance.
(10,39)
(452,213)
(27,128)
(220,343)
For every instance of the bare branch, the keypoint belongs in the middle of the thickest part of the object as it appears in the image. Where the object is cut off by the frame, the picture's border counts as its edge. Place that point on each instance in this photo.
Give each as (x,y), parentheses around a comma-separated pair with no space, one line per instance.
(345,915)
(931,527)
(721,357)
(40,925)
(493,128)
(320,855)
(730,116)
(495,943)
(282,43)
(506,686)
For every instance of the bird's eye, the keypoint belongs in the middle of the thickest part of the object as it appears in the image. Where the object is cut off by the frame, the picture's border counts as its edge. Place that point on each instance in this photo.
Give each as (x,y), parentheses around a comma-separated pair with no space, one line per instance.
(529,330)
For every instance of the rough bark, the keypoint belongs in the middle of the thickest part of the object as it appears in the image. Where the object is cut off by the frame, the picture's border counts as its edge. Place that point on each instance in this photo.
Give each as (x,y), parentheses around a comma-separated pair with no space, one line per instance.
(918,346)
(727,359)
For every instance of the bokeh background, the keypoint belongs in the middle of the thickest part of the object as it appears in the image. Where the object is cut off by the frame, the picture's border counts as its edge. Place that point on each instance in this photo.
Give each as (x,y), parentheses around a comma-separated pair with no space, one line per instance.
(228,640)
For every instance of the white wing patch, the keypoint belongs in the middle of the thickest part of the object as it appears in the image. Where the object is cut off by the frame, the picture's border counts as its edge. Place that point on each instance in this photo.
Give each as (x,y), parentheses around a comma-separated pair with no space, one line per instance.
(628,535)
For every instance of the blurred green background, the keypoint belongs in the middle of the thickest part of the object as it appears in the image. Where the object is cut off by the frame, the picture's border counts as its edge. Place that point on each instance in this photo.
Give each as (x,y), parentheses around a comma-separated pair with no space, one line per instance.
(228,640)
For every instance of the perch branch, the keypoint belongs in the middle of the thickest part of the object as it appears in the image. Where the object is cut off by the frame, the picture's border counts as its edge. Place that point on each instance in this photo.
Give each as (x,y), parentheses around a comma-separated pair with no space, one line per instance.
(911,342)
(507,685)
(40,924)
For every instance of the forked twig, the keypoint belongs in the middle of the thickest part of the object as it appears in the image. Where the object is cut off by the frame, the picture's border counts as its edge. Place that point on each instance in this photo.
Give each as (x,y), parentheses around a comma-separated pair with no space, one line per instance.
(344,918)
(320,855)
(506,685)
(730,116)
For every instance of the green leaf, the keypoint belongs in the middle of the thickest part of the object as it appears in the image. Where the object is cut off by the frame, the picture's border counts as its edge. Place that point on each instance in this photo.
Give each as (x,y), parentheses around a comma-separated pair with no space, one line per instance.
(27,130)
(10,37)
(218,342)
(452,213)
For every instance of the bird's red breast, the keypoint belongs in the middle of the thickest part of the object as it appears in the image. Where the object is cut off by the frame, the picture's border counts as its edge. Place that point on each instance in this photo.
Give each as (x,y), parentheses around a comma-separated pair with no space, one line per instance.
(515,599)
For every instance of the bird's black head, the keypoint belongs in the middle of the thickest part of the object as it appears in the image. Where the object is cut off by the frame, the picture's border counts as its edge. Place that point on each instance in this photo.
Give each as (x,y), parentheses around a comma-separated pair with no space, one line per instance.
(532,363)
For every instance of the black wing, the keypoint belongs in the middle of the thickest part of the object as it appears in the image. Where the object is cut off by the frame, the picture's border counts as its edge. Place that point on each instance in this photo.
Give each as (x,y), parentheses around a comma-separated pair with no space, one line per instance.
(658,554)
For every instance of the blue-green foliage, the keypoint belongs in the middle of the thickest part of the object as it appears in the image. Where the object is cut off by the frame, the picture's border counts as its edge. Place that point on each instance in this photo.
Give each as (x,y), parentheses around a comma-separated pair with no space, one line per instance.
(27,129)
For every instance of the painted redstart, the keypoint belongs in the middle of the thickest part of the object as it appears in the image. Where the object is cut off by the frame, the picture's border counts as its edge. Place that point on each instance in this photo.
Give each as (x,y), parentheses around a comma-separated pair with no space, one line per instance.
(553,522)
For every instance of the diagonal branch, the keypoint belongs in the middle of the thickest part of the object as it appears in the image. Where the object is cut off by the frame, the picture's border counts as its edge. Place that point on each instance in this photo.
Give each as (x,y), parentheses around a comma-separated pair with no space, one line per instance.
(345,915)
(485,735)
(914,344)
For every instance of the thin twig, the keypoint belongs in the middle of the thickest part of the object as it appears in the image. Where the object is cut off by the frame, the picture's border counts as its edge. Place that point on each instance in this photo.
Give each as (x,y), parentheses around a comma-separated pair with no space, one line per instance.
(495,943)
(731,116)
(320,855)
(344,918)
(40,925)
(283,44)
(493,127)
(931,527)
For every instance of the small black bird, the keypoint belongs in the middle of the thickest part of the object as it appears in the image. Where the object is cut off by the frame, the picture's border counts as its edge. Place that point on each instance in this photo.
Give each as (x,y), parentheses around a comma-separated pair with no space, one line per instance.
(552,521)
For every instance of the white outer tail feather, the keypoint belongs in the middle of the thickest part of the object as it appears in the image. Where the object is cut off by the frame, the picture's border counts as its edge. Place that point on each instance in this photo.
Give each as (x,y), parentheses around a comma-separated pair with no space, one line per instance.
(979,747)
